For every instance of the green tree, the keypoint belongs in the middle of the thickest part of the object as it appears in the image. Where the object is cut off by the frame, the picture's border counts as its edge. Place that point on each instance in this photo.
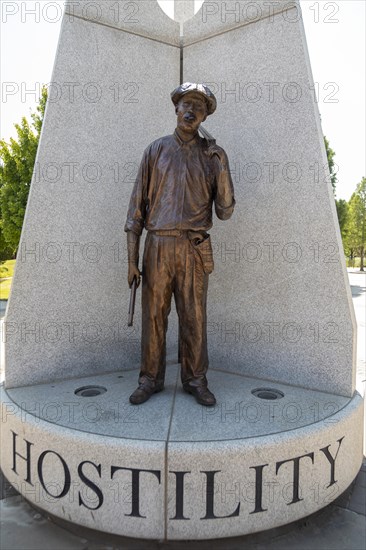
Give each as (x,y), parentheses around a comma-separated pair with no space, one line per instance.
(17,160)
(342,212)
(356,223)
(331,164)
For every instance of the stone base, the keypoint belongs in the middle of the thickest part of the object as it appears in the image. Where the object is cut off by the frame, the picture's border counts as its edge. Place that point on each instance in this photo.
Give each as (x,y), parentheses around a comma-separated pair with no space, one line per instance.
(173,469)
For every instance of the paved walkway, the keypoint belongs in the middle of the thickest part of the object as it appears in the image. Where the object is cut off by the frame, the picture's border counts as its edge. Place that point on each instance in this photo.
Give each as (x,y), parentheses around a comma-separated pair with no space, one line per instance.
(339,526)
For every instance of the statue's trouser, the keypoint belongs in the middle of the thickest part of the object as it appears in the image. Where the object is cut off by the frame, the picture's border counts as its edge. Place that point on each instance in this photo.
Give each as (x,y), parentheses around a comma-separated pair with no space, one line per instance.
(171,267)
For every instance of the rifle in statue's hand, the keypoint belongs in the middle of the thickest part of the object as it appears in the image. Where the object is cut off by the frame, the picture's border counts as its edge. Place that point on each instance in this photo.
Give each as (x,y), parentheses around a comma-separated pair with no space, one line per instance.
(214,149)
(208,137)
(131,309)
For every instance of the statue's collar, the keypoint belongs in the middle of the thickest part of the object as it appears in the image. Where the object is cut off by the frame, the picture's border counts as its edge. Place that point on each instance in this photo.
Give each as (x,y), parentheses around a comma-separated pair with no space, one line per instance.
(189,142)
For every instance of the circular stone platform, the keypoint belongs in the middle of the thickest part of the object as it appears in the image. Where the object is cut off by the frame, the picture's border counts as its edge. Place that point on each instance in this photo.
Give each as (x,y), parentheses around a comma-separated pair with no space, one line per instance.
(265,455)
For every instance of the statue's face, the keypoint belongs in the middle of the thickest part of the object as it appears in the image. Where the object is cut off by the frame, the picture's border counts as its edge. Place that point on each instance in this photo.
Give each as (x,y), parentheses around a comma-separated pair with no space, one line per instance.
(191,111)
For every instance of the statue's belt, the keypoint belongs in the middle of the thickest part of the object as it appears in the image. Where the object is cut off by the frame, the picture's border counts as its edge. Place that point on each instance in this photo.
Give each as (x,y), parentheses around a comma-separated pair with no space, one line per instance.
(200,242)
(187,234)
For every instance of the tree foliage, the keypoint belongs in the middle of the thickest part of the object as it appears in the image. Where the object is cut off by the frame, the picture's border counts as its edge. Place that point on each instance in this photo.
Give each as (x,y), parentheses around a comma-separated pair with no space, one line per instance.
(331,164)
(355,239)
(341,204)
(351,215)
(342,212)
(17,160)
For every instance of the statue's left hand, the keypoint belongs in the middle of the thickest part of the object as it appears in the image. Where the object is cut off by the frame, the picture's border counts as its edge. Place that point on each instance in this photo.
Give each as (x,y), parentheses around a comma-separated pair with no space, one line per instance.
(133,273)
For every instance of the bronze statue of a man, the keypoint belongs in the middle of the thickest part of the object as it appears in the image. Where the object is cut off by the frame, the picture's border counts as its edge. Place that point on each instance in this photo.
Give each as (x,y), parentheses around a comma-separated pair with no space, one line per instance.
(180,177)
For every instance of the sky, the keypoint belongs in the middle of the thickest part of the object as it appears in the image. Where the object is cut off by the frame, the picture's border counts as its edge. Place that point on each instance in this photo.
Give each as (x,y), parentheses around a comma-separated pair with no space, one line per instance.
(335,34)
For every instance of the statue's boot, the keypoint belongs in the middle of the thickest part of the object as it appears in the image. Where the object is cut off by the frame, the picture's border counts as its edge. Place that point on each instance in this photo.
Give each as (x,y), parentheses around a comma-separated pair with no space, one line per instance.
(144,391)
(202,394)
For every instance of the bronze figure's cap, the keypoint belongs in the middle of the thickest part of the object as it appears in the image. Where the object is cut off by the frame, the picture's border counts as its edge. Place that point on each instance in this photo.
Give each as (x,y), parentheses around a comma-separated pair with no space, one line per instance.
(199,88)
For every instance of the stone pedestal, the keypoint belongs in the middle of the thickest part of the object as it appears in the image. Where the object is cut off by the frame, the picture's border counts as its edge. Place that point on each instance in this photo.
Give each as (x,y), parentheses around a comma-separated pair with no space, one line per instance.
(172,469)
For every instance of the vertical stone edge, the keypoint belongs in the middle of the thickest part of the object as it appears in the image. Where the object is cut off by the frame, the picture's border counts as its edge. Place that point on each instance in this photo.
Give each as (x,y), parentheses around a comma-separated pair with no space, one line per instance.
(332,205)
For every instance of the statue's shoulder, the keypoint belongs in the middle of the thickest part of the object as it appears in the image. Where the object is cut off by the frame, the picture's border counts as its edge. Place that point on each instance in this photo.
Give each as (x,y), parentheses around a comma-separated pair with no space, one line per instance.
(156,145)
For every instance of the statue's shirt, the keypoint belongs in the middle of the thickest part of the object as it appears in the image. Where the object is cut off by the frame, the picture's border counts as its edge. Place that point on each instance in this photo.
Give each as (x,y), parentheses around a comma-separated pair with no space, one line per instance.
(176,186)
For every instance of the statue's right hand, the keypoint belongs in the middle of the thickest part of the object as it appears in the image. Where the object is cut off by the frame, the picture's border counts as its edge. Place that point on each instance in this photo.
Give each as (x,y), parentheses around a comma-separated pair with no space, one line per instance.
(133,271)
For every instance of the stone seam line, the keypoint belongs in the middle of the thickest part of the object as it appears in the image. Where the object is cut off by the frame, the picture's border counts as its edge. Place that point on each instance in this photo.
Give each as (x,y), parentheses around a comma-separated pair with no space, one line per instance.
(240,25)
(141,35)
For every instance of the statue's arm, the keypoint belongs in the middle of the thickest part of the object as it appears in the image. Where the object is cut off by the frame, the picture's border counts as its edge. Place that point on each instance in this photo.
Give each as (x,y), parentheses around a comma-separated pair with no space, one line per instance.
(133,250)
(224,194)
(136,219)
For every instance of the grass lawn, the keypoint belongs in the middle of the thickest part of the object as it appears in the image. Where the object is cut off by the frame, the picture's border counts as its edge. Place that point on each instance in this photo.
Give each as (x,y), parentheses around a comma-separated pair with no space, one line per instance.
(6,270)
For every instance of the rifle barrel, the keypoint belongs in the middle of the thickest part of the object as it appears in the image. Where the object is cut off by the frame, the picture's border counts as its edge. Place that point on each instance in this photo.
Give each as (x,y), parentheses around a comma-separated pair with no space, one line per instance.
(131,309)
